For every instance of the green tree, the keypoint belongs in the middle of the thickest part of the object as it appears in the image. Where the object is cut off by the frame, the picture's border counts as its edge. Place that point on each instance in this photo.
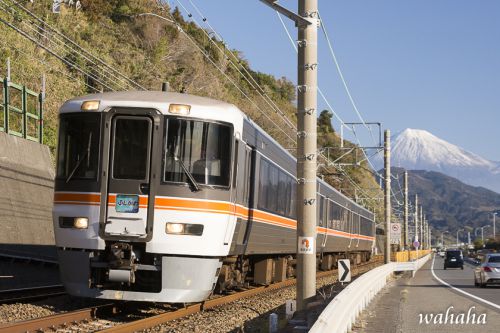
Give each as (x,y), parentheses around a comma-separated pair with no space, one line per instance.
(325,122)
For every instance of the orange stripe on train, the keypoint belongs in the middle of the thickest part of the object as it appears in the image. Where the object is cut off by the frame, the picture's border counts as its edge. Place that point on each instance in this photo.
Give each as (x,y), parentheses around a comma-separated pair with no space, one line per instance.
(77,197)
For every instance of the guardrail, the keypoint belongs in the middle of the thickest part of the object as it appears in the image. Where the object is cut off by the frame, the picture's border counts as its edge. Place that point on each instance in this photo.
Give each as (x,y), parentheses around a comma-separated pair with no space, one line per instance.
(341,313)
(403,256)
(21,111)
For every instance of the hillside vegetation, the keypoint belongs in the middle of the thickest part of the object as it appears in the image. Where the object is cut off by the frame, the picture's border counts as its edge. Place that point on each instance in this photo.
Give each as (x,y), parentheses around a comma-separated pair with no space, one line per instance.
(448,203)
(150,51)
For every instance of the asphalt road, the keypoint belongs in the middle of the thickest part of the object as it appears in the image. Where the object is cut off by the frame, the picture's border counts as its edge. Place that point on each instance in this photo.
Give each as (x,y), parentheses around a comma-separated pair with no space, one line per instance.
(463,280)
(404,304)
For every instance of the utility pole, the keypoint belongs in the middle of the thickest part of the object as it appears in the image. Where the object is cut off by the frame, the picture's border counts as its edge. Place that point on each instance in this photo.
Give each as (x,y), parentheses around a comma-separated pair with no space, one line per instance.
(430,238)
(405,228)
(387,194)
(416,219)
(307,81)
(306,148)
(421,226)
(494,227)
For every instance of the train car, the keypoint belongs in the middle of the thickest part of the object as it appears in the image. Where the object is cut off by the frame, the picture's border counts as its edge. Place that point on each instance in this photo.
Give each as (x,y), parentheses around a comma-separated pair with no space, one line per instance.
(164,197)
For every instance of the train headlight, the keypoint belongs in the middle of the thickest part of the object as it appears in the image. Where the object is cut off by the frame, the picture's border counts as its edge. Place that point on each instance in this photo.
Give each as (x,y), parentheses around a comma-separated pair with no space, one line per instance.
(81,223)
(179,109)
(184,229)
(90,106)
(73,222)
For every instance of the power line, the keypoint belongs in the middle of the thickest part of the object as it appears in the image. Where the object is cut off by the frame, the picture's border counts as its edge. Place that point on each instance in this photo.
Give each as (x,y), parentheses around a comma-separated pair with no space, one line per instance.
(24,34)
(46,64)
(84,53)
(226,76)
(341,75)
(248,77)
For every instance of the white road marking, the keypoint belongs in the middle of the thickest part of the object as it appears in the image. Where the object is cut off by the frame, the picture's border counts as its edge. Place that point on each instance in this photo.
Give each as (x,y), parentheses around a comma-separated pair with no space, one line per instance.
(6,276)
(460,290)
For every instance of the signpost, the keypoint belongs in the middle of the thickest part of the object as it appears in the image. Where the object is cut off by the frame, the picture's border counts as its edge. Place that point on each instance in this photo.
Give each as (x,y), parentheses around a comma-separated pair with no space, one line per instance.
(395,233)
(344,266)
(416,244)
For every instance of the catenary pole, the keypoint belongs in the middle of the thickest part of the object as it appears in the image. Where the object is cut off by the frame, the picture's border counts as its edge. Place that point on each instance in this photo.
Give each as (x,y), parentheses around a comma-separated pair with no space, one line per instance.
(307,81)
(387,194)
(306,150)
(405,228)
(416,219)
(421,226)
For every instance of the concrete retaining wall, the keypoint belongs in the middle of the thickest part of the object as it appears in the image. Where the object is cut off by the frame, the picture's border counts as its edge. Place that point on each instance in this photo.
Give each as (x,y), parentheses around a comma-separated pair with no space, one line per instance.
(26,193)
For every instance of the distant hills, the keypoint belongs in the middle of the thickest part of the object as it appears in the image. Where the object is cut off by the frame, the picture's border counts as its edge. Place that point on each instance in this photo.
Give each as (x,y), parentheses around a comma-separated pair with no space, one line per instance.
(415,149)
(448,203)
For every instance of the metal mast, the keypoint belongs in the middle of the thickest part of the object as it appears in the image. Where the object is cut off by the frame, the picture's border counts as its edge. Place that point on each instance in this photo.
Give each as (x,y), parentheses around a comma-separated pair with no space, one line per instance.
(387,194)
(405,228)
(307,22)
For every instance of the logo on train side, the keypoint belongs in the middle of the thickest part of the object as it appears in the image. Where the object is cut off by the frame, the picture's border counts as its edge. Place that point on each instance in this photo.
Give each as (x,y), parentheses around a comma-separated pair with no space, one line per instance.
(306,245)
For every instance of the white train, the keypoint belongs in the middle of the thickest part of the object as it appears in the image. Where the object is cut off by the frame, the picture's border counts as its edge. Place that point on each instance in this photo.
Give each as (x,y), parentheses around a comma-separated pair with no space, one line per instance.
(165,197)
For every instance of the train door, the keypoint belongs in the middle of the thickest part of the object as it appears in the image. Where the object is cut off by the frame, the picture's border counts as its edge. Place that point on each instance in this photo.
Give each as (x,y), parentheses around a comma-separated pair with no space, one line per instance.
(249,191)
(129,205)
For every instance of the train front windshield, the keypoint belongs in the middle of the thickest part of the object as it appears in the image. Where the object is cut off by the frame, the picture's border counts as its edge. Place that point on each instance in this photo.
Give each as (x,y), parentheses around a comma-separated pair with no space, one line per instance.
(199,148)
(78,149)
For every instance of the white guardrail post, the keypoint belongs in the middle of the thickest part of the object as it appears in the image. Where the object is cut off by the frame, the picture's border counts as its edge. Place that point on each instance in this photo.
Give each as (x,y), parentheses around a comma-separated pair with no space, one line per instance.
(341,313)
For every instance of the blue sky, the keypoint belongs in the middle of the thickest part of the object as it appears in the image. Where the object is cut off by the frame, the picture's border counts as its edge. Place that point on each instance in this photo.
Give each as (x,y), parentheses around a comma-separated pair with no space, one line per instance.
(426,64)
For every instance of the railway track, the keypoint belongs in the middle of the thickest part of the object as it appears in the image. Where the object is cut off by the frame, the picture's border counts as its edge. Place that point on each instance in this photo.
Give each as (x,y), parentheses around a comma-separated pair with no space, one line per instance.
(95,318)
(30,294)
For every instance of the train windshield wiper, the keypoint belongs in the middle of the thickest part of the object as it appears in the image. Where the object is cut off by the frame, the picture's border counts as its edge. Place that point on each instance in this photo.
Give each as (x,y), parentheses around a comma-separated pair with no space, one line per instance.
(188,174)
(79,162)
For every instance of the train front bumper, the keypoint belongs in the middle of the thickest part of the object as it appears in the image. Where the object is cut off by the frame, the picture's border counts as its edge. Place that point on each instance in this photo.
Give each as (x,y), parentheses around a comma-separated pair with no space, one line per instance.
(183,279)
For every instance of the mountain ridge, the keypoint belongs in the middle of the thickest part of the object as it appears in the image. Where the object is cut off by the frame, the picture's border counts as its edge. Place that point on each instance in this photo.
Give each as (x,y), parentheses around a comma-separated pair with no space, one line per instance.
(415,149)
(448,203)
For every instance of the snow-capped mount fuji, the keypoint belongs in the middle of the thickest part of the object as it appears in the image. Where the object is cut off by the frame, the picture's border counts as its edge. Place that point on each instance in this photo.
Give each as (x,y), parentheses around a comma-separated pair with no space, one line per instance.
(415,149)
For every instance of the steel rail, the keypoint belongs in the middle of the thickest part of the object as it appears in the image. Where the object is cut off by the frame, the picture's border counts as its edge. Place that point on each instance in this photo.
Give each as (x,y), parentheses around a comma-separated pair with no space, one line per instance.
(146,323)
(54,321)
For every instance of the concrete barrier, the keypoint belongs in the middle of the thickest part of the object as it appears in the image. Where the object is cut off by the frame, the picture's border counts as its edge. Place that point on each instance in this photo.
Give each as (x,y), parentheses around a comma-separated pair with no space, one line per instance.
(341,313)
(26,194)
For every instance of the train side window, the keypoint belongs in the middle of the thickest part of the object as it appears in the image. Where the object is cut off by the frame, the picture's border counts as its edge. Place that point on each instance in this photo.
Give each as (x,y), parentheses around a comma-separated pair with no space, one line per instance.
(293,200)
(281,193)
(263,183)
(272,189)
(288,196)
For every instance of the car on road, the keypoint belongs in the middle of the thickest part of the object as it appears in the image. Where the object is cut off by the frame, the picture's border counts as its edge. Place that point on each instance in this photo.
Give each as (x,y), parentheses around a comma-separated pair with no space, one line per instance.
(489,270)
(454,258)
(442,253)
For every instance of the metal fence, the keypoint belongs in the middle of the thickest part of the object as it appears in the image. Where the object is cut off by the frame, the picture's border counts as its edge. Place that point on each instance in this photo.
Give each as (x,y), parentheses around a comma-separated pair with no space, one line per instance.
(21,111)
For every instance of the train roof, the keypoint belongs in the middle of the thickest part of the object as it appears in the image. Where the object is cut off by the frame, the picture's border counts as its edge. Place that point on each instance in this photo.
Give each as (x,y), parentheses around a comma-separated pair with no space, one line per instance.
(150,99)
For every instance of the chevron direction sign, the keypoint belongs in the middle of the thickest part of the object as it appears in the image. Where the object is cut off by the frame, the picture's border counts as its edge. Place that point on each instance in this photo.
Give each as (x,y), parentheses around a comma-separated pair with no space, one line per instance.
(344,266)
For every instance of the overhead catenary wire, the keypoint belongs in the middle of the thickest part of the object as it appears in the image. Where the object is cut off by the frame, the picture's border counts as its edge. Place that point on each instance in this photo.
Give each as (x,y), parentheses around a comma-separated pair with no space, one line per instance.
(195,44)
(335,114)
(64,59)
(236,64)
(24,34)
(341,75)
(112,72)
(47,65)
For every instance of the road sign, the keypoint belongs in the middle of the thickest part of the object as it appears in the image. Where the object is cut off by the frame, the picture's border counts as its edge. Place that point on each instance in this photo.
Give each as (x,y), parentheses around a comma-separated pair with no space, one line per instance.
(395,234)
(344,270)
(416,244)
